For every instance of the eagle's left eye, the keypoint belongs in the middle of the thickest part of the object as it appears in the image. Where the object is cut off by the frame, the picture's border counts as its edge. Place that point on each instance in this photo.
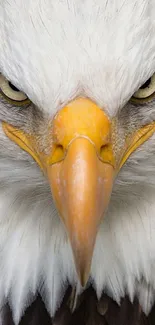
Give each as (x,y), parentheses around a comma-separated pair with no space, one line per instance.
(11,93)
(146,91)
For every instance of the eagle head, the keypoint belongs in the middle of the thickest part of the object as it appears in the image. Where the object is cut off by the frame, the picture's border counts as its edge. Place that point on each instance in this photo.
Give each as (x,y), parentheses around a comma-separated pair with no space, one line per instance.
(77,123)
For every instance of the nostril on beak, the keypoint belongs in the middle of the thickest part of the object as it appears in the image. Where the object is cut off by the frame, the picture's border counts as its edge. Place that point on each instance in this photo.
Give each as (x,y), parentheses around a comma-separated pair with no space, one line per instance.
(106,154)
(60,148)
(103,149)
(57,154)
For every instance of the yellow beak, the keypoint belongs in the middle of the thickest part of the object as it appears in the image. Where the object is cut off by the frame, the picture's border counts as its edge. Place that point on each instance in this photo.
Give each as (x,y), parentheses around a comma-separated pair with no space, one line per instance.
(81,174)
(81,186)
(81,168)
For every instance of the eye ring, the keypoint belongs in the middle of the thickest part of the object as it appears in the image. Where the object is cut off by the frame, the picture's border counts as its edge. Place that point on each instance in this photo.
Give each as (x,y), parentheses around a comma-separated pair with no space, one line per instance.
(146,92)
(11,93)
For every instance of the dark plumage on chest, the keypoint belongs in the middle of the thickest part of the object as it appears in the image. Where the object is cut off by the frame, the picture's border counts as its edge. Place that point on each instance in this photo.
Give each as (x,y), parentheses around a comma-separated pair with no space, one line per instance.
(89,311)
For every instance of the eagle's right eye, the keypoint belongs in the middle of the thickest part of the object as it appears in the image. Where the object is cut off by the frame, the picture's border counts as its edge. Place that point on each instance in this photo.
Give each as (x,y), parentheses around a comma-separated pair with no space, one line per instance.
(146,92)
(11,93)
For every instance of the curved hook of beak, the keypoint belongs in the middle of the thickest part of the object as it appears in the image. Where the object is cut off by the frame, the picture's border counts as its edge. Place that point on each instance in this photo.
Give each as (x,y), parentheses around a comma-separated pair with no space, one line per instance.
(81,185)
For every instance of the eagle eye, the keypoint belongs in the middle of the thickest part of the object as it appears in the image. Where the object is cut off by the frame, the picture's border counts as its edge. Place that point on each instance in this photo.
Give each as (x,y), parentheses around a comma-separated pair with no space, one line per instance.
(11,93)
(146,92)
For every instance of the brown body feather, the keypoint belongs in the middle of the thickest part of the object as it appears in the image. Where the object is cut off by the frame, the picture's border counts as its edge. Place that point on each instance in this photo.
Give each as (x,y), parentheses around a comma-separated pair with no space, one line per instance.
(89,311)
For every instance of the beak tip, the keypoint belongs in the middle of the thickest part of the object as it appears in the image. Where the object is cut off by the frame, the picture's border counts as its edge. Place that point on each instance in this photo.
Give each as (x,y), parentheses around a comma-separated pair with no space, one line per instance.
(83,280)
(83,276)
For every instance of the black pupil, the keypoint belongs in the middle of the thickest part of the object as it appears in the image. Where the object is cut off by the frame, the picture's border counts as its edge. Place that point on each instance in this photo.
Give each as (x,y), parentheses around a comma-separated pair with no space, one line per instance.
(13,87)
(147,83)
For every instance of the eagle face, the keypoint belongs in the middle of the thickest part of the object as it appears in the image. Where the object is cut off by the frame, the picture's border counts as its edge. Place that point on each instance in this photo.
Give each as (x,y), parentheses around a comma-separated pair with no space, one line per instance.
(77,94)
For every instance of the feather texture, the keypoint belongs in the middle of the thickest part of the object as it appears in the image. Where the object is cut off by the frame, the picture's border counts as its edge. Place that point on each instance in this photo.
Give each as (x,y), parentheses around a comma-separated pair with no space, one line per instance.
(77,48)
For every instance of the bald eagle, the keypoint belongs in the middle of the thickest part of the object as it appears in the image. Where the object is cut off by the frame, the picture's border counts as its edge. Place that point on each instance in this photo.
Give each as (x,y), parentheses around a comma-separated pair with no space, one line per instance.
(77,162)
